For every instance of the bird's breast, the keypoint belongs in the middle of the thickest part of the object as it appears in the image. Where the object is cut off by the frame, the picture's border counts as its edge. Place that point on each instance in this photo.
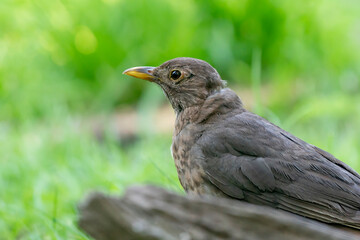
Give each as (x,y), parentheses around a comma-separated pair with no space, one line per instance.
(188,168)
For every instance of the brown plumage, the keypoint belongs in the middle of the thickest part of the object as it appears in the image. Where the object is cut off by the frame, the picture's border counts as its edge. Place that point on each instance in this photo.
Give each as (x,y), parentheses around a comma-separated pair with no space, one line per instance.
(220,148)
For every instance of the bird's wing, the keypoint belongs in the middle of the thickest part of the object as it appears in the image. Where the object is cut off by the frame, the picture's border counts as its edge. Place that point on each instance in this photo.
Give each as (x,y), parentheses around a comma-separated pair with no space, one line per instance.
(247,157)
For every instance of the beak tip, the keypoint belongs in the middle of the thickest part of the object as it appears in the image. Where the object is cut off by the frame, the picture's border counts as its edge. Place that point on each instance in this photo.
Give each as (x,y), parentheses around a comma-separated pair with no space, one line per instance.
(127,71)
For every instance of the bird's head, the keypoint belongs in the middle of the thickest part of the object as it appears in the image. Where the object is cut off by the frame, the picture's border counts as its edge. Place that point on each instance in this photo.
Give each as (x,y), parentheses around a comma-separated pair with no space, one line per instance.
(186,82)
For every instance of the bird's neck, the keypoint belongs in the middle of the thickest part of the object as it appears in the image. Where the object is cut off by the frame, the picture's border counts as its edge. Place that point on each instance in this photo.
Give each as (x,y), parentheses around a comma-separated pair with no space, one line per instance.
(213,108)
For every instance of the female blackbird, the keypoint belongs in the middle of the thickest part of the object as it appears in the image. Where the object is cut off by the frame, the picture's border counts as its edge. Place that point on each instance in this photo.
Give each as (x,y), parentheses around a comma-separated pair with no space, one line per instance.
(219,148)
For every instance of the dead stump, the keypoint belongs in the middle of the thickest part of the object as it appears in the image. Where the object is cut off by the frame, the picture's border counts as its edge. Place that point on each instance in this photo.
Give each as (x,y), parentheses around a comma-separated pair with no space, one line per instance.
(149,213)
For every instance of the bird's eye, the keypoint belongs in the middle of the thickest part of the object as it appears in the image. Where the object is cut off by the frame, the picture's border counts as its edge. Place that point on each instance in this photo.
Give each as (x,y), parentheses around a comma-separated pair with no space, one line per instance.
(175,74)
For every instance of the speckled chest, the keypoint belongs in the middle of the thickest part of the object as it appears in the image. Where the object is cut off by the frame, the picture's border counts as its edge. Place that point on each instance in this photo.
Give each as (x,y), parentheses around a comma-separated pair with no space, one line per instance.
(186,160)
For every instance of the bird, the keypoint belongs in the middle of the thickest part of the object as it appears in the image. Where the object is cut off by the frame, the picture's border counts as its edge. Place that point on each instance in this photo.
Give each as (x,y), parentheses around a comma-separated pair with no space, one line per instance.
(221,149)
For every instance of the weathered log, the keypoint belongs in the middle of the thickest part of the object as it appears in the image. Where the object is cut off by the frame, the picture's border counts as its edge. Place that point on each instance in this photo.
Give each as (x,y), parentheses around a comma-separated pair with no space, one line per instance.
(149,213)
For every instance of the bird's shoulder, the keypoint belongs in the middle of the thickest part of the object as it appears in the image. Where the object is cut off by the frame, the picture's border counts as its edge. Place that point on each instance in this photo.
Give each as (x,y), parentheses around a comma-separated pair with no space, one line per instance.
(219,104)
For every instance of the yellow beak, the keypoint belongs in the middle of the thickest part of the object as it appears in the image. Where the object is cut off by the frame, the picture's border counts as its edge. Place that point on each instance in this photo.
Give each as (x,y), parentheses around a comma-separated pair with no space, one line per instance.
(141,72)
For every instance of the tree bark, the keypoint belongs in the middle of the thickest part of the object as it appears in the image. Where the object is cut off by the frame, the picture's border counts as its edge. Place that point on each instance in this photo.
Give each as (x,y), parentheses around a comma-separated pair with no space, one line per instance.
(152,213)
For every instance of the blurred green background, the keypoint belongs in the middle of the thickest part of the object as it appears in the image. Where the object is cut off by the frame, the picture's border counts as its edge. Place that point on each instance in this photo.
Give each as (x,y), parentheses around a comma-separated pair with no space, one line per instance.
(70,121)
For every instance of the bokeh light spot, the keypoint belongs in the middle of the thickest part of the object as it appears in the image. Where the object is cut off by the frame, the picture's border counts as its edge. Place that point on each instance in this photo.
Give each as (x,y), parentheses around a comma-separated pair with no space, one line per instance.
(85,41)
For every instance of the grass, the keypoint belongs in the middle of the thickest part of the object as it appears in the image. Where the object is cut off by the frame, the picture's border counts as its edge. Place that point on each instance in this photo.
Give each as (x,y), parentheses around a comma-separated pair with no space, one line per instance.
(47,168)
